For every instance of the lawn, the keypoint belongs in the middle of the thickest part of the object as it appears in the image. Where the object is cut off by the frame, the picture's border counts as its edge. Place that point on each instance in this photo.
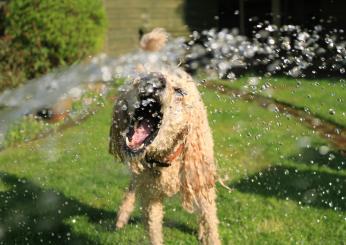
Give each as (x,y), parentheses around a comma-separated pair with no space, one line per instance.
(289,184)
(324,98)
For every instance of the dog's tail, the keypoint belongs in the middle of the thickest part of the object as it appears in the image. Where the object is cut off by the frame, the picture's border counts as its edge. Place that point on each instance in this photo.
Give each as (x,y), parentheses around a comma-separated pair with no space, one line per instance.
(154,40)
(220,180)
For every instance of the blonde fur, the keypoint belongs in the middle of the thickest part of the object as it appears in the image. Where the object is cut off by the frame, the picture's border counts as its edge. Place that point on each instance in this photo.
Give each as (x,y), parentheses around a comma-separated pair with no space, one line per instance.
(154,40)
(192,173)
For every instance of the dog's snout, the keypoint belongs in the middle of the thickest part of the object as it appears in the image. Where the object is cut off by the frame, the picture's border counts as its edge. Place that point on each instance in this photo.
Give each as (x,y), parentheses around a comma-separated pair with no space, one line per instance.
(152,84)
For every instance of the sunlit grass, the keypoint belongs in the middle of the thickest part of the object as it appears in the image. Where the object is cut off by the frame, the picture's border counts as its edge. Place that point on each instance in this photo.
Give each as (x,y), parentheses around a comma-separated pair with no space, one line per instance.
(66,187)
(325,98)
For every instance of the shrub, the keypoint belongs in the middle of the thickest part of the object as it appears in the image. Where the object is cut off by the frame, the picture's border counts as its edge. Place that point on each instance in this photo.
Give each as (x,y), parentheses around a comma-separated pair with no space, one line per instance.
(40,35)
(12,71)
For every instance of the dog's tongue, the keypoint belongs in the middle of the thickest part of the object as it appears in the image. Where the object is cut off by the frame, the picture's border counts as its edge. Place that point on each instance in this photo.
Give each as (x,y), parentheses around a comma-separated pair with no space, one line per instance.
(142,131)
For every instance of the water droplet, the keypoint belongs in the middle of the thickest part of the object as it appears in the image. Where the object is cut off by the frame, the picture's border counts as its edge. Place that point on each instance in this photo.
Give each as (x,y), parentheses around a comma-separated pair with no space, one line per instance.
(323,150)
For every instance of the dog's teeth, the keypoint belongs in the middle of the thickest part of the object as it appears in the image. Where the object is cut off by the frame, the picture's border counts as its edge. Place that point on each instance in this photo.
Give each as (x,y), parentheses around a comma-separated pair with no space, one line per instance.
(142,145)
(127,141)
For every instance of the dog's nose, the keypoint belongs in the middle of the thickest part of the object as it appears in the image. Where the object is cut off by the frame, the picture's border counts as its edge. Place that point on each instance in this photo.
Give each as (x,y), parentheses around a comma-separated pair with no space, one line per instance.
(152,83)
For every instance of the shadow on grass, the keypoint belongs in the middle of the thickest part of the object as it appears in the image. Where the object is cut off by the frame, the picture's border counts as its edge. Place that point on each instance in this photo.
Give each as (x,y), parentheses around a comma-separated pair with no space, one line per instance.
(30,214)
(307,187)
(332,159)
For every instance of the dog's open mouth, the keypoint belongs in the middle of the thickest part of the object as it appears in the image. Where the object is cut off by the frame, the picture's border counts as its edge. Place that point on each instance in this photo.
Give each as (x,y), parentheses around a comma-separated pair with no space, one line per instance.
(145,124)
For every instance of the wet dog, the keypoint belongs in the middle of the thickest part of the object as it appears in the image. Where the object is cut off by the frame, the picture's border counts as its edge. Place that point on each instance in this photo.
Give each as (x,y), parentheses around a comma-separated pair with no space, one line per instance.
(160,130)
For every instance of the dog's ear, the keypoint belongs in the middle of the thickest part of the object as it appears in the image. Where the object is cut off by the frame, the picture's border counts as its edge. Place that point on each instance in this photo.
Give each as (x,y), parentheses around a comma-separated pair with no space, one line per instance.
(113,142)
(120,118)
(199,172)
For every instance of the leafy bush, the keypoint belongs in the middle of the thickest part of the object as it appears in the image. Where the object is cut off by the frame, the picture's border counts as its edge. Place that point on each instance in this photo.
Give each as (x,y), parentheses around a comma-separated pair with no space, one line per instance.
(40,35)
(12,71)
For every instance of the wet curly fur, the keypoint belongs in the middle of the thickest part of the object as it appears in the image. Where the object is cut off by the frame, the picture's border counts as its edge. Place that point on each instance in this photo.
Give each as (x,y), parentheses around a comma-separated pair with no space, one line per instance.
(183,142)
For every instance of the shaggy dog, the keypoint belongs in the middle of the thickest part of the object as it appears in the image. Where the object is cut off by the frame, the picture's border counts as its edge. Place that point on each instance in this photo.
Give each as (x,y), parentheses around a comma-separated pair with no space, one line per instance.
(160,130)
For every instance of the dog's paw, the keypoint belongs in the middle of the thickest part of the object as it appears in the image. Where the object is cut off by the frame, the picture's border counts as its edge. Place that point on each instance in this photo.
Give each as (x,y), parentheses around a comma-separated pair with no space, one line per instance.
(119,224)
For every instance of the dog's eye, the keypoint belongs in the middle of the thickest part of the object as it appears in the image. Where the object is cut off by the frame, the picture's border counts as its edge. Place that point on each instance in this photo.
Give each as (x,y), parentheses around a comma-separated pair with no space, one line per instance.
(179,92)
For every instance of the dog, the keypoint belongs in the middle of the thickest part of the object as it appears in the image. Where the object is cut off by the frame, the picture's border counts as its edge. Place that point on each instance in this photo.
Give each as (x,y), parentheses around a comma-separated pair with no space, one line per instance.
(160,130)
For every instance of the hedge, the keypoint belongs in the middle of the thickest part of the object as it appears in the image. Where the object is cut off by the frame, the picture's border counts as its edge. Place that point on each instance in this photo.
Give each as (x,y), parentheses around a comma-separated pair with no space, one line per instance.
(40,35)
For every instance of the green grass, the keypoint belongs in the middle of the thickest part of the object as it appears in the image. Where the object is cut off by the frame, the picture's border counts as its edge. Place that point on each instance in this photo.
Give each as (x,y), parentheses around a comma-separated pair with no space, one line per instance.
(325,98)
(66,188)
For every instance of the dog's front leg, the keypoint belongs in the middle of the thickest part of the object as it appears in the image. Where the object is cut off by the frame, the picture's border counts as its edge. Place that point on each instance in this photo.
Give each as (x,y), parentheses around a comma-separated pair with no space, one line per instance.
(153,215)
(127,206)
(208,221)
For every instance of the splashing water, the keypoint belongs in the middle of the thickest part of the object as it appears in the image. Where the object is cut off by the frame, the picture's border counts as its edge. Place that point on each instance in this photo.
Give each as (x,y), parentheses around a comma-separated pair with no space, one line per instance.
(44,92)
(289,50)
